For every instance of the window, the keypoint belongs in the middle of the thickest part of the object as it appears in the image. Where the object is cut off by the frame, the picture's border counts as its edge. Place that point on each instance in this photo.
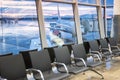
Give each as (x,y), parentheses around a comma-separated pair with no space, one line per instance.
(89,23)
(88,1)
(102,2)
(109,13)
(19,27)
(59,23)
(109,2)
(109,16)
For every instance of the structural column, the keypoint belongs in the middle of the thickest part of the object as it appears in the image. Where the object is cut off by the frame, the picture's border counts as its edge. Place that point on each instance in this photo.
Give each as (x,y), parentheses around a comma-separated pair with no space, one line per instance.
(41,23)
(100,20)
(77,23)
(116,20)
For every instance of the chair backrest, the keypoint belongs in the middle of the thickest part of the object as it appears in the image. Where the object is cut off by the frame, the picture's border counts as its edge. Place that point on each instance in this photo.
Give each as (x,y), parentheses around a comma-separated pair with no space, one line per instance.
(41,60)
(6,54)
(26,58)
(69,47)
(79,51)
(112,41)
(103,43)
(62,55)
(12,67)
(94,46)
(87,46)
(51,53)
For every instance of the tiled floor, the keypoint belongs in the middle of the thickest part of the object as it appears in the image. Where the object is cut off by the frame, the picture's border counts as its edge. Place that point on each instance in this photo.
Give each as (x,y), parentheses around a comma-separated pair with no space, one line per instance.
(110,71)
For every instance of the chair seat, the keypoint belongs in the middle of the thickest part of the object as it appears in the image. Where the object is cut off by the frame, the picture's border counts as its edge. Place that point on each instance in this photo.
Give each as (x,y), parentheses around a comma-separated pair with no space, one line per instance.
(106,54)
(93,64)
(75,69)
(49,75)
(116,52)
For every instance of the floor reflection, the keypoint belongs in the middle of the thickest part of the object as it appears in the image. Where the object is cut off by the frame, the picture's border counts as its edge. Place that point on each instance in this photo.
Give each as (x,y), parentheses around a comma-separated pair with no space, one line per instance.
(108,63)
(110,69)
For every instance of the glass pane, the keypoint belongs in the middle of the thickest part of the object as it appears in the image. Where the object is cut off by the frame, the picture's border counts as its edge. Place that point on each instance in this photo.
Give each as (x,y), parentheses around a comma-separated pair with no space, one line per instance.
(88,1)
(19,26)
(109,2)
(109,20)
(102,2)
(89,23)
(59,23)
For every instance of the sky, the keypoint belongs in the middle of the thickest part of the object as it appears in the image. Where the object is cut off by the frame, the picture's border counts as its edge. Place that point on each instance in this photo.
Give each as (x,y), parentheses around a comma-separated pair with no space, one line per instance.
(27,7)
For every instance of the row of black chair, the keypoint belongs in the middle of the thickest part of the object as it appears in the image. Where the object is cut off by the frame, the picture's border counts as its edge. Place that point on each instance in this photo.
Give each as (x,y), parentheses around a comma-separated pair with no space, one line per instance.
(63,55)
(105,48)
(114,46)
(12,67)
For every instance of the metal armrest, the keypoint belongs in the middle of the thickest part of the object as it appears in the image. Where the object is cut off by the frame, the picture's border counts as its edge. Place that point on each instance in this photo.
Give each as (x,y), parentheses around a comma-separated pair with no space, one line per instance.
(96,56)
(39,71)
(115,47)
(97,52)
(82,61)
(105,48)
(58,63)
(94,51)
(72,52)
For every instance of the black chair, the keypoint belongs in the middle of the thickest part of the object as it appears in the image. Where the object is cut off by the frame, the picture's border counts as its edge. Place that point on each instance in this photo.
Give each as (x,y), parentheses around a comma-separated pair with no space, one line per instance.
(41,61)
(96,46)
(8,54)
(80,53)
(12,67)
(112,41)
(87,47)
(26,57)
(51,53)
(114,46)
(105,48)
(63,56)
(69,47)
(95,49)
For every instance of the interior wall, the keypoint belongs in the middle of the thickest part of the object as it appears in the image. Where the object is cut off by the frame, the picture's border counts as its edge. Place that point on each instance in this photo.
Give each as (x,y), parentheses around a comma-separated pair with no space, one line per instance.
(116,23)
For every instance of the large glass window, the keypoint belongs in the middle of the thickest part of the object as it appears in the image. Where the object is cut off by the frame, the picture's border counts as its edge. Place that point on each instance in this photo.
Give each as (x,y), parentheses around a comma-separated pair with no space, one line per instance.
(109,2)
(109,17)
(89,23)
(19,27)
(59,23)
(102,2)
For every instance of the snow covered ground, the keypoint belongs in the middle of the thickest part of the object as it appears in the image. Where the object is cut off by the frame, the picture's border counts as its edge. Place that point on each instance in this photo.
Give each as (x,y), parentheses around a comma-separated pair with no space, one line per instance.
(24,35)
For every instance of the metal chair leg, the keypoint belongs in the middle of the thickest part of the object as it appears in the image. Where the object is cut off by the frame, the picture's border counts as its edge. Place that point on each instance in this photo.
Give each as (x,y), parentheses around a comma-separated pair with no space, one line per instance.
(97,72)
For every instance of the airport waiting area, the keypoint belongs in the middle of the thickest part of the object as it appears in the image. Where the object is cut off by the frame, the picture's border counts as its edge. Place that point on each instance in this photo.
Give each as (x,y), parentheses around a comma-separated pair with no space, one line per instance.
(59,40)
(93,60)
